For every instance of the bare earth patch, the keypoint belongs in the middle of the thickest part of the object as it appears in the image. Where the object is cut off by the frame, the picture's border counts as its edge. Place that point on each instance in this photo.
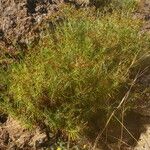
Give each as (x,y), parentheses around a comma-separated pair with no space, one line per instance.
(15,136)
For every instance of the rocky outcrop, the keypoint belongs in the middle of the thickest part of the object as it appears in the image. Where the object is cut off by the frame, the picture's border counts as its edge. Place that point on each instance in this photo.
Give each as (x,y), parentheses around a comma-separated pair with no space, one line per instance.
(18,18)
(15,136)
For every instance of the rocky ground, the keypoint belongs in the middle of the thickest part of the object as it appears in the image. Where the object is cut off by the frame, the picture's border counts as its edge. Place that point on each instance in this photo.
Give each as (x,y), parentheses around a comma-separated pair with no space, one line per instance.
(20,20)
(13,136)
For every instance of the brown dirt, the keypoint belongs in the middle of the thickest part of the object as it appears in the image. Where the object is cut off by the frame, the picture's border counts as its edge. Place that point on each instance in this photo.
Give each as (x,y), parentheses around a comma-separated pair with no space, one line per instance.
(144,13)
(13,136)
(20,20)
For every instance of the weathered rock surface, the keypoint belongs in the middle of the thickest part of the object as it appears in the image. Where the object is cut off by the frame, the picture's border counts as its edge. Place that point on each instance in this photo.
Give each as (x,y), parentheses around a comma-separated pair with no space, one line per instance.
(19,19)
(144,140)
(14,136)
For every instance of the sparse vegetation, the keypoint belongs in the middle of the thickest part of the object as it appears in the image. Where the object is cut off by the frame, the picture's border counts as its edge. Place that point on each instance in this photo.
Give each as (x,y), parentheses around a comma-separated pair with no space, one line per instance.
(79,69)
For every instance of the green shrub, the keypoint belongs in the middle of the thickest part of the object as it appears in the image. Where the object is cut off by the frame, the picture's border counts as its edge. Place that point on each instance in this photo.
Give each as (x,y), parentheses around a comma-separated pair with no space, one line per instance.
(83,67)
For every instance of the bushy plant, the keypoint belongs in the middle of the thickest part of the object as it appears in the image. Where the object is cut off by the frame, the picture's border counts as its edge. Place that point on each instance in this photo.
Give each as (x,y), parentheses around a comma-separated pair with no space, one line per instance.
(79,69)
